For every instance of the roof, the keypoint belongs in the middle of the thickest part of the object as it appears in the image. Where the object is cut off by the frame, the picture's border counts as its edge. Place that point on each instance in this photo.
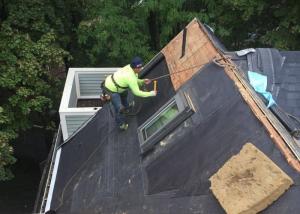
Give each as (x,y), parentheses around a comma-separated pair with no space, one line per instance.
(104,170)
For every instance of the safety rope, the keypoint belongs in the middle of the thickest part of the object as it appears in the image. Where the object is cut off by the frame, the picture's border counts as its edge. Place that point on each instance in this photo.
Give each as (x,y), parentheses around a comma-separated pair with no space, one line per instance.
(171,74)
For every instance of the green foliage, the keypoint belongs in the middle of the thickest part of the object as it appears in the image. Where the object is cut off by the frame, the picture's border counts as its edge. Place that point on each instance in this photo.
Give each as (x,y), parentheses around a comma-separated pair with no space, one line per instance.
(6,150)
(6,159)
(114,31)
(111,31)
(259,23)
(109,35)
(284,33)
(170,18)
(28,83)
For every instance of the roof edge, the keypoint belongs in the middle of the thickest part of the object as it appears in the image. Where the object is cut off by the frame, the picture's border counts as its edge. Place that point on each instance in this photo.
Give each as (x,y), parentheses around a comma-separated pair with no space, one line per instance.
(278,133)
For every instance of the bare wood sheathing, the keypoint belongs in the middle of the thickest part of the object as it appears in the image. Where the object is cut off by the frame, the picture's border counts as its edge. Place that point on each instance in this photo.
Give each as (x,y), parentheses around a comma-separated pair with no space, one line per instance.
(198,51)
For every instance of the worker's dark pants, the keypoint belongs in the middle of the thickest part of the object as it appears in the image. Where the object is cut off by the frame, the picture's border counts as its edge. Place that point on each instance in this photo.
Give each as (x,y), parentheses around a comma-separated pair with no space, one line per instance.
(120,102)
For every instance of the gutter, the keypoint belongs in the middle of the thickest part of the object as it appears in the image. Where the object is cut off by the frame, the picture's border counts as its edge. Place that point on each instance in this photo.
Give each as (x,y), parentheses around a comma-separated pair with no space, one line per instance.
(44,196)
(53,179)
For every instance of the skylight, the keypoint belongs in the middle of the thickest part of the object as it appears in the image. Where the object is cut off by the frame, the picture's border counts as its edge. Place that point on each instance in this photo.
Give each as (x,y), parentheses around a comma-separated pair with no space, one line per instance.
(166,119)
(163,118)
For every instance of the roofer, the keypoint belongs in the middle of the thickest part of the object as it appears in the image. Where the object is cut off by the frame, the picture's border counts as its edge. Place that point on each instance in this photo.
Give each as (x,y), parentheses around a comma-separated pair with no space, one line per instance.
(117,86)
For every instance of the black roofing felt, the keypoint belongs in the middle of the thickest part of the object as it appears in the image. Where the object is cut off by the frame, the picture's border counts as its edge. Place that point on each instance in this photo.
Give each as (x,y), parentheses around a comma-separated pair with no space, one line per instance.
(164,85)
(101,170)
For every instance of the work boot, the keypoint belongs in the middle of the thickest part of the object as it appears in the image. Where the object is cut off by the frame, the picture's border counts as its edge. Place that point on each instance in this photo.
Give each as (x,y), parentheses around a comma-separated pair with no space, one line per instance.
(123,127)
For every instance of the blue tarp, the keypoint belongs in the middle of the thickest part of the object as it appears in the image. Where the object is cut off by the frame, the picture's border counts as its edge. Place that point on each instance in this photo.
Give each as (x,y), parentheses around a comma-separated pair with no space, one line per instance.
(259,83)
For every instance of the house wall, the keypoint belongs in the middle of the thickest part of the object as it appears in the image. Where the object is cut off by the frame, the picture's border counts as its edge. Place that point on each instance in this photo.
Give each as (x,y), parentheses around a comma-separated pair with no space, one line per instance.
(75,121)
(73,96)
(89,83)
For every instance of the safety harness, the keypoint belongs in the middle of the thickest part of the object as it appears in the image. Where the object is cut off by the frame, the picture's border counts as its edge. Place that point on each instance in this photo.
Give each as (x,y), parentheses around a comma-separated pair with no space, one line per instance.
(116,84)
(106,93)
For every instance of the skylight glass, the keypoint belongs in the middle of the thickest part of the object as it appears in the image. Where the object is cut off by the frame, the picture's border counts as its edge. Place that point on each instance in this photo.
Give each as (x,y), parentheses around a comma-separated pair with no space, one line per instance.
(164,117)
(164,121)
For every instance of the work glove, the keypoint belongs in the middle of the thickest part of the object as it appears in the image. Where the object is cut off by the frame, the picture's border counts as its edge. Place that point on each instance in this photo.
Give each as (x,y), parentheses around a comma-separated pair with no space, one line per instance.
(153,93)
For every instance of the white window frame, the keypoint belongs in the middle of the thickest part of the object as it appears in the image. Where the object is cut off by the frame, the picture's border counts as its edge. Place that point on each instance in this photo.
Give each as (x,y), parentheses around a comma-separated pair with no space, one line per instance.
(185,108)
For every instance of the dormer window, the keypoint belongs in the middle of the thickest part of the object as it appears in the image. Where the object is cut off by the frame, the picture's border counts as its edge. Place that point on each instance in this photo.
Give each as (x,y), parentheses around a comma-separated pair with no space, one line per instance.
(166,119)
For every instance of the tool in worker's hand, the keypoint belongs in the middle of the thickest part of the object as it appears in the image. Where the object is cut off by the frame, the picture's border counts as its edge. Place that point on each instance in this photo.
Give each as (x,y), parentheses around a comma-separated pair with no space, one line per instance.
(155,85)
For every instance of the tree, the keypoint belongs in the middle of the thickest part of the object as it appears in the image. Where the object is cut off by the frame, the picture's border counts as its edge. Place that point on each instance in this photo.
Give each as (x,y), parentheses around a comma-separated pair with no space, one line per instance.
(247,23)
(112,31)
(29,58)
(6,150)
(162,19)
(110,35)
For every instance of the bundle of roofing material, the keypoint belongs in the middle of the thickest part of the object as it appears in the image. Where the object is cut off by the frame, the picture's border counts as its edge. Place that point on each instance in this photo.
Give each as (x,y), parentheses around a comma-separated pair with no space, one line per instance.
(249,182)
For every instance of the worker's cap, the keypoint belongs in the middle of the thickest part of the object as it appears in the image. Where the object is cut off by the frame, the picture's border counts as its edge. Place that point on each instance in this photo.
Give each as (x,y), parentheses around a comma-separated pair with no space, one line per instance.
(136,62)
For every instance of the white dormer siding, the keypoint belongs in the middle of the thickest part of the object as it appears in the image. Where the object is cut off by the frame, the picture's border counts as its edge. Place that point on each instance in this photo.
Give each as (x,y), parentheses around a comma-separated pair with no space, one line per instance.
(81,83)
